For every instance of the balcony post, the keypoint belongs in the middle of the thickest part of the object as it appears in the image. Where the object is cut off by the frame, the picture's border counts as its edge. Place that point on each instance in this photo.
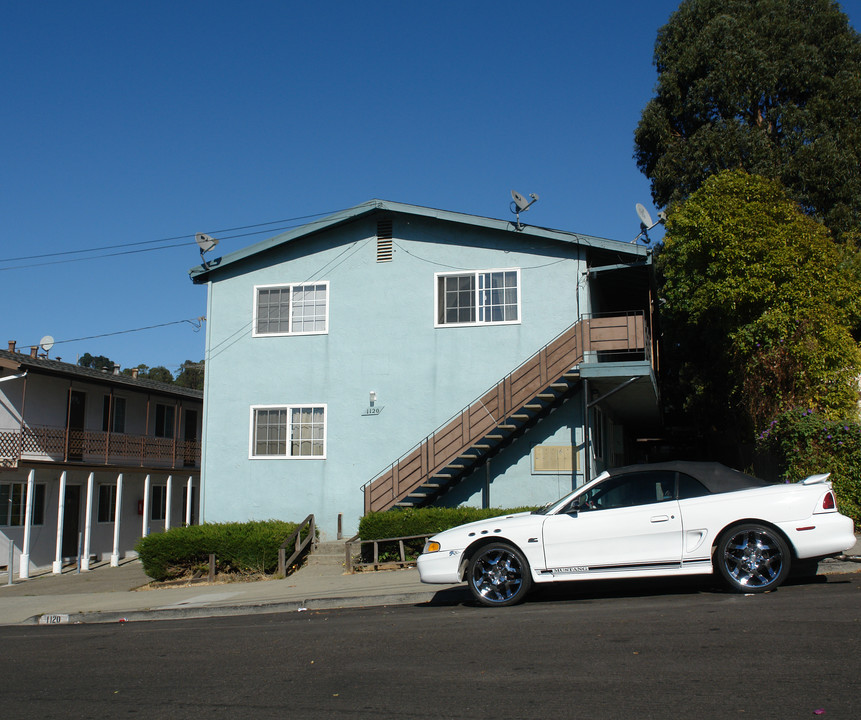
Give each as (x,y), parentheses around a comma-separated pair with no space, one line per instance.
(57,567)
(168,492)
(188,500)
(24,563)
(146,501)
(118,508)
(88,523)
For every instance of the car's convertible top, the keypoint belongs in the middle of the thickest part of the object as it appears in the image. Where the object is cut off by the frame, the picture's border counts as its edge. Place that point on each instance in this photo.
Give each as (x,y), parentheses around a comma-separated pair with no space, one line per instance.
(715,477)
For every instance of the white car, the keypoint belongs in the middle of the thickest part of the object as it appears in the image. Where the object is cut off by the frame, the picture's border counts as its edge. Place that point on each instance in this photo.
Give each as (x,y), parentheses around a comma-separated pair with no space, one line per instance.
(663,519)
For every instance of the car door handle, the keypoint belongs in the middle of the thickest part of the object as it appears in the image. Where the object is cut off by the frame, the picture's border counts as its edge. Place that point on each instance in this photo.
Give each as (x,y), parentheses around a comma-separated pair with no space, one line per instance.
(660,518)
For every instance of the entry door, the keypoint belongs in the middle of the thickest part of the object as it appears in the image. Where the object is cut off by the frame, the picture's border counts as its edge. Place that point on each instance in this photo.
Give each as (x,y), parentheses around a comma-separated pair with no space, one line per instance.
(71,521)
(77,416)
(627,522)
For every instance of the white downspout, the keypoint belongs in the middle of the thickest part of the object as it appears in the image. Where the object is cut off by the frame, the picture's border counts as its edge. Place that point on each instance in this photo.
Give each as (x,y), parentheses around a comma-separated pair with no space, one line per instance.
(61,515)
(118,508)
(188,502)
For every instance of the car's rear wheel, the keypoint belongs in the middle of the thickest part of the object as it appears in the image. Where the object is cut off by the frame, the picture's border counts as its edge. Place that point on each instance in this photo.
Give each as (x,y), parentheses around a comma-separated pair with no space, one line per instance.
(498,575)
(752,558)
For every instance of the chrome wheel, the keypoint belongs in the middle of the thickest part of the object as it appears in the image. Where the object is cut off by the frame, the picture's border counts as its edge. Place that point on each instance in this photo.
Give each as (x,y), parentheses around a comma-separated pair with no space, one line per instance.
(498,575)
(752,558)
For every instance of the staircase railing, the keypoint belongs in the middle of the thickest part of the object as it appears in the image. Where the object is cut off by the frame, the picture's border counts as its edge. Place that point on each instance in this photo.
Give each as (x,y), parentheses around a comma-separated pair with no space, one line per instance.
(301,544)
(617,333)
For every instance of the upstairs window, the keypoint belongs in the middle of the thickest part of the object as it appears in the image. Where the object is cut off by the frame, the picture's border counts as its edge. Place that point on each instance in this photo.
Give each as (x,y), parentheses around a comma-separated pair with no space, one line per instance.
(485,297)
(291,309)
(114,414)
(164,420)
(288,432)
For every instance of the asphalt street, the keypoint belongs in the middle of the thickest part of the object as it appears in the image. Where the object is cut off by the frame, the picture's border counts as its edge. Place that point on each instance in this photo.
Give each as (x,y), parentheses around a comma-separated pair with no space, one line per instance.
(645,650)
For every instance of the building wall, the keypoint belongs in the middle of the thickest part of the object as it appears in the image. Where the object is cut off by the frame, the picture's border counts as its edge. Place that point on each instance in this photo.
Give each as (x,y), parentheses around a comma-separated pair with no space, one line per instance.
(381,338)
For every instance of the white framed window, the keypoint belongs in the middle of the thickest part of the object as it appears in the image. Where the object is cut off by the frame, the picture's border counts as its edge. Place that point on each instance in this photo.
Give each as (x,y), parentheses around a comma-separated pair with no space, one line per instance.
(107,503)
(288,431)
(481,297)
(13,503)
(298,309)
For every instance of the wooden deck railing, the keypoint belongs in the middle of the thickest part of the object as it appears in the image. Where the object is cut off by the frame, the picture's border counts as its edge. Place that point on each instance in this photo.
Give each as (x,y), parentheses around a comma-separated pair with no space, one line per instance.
(603,335)
(91,447)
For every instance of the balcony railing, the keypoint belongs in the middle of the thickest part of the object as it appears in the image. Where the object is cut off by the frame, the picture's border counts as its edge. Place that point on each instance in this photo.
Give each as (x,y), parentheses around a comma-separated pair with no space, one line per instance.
(89,447)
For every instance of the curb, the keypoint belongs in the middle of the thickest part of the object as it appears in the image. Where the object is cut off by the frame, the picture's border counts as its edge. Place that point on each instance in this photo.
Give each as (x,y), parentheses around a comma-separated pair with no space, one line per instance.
(184,613)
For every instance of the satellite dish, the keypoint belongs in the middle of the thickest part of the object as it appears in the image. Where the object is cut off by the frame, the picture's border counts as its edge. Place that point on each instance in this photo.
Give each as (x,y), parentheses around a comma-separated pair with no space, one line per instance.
(205,242)
(521,202)
(644,216)
(46,343)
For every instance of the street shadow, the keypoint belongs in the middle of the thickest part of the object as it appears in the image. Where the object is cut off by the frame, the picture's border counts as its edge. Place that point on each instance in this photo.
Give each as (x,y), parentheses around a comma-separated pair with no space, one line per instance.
(586,590)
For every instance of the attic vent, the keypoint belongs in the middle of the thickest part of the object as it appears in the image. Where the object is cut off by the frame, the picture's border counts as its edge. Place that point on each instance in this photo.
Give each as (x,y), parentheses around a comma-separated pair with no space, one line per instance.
(384,240)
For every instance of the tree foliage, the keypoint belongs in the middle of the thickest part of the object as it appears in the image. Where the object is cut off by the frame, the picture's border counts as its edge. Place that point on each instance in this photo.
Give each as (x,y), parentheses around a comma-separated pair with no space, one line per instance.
(759,306)
(97,362)
(769,86)
(191,375)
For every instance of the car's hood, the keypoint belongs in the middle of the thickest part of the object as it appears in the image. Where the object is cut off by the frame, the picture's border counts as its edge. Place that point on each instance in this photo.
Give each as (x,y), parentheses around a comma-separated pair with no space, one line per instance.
(490,526)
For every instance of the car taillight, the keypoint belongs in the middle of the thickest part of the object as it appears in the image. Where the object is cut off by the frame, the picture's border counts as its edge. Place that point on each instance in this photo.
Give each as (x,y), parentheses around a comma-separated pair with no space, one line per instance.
(828,502)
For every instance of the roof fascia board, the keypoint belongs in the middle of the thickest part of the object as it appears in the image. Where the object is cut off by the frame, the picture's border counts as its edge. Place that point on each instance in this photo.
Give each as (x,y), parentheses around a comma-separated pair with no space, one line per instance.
(201,273)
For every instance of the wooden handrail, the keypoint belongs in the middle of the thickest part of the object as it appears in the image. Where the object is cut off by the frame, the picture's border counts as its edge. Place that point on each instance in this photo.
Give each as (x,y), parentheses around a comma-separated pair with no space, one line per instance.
(295,536)
(376,564)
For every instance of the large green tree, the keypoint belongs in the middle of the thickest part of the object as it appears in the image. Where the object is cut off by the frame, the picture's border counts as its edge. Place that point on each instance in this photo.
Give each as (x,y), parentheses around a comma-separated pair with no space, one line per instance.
(759,307)
(769,86)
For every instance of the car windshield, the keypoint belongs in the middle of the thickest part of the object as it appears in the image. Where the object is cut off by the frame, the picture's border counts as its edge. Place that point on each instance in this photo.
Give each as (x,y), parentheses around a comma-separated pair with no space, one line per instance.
(550,507)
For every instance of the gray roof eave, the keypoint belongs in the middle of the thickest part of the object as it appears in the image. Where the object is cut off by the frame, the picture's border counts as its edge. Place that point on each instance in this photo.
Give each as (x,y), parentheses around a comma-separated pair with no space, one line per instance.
(200,274)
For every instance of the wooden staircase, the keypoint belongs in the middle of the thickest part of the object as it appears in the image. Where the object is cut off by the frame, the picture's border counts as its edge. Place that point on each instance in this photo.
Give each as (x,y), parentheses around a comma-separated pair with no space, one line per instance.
(503,413)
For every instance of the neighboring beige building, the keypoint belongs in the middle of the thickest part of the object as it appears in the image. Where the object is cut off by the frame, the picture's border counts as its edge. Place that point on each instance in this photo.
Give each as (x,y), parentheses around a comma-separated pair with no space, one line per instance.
(90,461)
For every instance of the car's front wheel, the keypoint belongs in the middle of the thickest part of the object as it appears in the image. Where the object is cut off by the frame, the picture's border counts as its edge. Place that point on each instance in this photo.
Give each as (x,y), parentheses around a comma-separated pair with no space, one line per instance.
(752,558)
(498,575)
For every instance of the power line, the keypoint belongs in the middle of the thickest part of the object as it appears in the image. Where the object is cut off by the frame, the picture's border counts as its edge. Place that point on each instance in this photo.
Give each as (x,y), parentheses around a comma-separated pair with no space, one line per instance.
(197,323)
(188,239)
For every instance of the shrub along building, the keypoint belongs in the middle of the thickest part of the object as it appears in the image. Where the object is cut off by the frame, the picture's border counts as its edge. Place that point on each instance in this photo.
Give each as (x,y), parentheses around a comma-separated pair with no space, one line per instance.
(391,355)
(90,461)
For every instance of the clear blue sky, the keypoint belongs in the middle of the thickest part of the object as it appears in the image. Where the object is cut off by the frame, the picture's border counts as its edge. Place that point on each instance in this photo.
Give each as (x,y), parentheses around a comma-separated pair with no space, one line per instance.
(127,123)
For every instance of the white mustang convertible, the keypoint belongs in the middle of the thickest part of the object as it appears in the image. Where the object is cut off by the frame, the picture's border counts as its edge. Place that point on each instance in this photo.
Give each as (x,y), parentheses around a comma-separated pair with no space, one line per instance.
(677,518)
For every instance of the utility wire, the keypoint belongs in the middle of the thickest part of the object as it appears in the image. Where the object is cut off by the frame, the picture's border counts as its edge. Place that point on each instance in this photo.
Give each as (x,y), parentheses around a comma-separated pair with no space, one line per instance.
(187,238)
(195,322)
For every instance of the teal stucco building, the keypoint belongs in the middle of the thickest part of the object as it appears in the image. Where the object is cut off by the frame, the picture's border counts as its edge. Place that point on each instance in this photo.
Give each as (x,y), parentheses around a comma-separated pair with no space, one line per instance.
(392,355)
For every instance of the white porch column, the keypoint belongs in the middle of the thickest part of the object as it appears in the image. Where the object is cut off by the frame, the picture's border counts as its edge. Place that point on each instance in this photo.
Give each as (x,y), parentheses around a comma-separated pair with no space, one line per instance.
(147,494)
(188,502)
(118,508)
(88,523)
(24,566)
(168,491)
(57,568)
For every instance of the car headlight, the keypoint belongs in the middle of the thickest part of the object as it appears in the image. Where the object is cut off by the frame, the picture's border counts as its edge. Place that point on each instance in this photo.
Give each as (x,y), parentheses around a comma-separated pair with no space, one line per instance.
(431,546)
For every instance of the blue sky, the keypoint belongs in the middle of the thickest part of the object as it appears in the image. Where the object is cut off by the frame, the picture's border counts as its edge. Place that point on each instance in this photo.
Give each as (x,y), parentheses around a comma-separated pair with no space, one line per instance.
(132,125)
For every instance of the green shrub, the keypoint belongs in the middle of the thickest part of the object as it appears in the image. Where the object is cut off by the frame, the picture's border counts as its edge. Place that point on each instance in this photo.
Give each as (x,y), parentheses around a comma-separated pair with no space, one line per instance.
(416,521)
(805,443)
(239,548)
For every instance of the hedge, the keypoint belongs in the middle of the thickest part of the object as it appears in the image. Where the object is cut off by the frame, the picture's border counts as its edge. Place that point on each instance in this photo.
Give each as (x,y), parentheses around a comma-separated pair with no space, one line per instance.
(240,548)
(421,521)
(806,443)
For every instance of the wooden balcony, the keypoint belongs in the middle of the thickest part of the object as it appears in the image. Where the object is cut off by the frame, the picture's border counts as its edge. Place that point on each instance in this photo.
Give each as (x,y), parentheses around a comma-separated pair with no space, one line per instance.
(516,402)
(88,447)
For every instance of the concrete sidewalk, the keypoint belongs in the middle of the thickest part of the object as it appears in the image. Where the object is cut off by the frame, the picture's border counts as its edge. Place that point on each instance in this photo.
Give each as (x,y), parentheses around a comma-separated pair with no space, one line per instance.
(117,594)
